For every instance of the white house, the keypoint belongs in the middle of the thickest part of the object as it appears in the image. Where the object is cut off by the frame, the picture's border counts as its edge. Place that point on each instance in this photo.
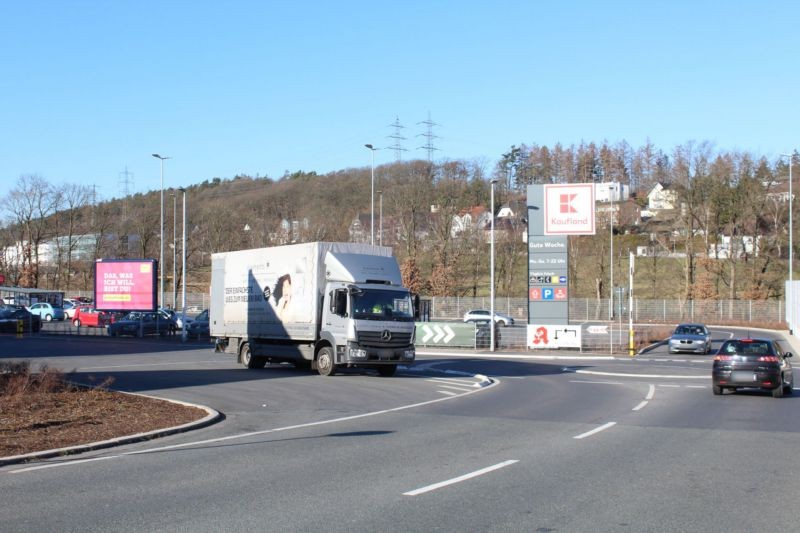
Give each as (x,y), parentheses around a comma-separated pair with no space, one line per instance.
(661,197)
(611,192)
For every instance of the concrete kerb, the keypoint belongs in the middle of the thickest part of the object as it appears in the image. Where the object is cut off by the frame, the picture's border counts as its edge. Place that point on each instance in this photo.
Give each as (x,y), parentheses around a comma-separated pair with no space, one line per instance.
(211,417)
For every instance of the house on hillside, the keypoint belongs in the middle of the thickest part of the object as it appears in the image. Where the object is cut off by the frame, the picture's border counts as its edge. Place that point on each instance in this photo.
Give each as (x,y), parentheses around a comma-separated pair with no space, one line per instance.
(734,247)
(473,218)
(611,192)
(661,197)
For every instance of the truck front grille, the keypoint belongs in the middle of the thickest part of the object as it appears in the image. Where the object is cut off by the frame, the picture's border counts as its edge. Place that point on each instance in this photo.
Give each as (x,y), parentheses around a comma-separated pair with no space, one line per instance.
(376,339)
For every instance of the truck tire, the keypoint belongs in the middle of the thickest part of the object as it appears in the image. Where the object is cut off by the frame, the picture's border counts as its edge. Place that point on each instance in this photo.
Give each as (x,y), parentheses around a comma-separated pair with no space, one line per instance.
(325,365)
(249,360)
(387,371)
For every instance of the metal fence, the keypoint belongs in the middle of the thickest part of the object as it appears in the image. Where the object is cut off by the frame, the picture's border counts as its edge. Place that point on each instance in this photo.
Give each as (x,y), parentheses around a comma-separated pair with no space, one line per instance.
(644,310)
(594,309)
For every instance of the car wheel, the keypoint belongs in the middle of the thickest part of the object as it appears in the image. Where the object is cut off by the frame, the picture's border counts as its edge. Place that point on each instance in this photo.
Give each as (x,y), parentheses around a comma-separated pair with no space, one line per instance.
(777,392)
(325,365)
(48,318)
(788,389)
(76,323)
(716,389)
(501,323)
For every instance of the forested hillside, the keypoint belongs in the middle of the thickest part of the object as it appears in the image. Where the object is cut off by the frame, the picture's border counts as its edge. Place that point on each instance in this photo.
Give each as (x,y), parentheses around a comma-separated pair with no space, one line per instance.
(718,194)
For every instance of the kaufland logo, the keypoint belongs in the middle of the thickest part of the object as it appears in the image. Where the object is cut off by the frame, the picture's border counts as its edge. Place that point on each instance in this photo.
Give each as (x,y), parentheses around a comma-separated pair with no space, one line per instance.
(569,209)
(565,203)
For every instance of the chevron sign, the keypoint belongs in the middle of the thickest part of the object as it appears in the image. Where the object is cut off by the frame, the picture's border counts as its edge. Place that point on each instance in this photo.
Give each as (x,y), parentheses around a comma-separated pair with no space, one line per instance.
(445,334)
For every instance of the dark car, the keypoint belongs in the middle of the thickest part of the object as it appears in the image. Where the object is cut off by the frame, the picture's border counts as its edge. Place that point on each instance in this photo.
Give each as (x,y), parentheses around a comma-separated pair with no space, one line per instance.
(11,316)
(198,327)
(752,363)
(139,324)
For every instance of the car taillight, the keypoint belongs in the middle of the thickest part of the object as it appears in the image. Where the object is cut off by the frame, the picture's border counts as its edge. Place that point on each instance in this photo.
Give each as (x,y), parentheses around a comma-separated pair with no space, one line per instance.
(723,358)
(768,359)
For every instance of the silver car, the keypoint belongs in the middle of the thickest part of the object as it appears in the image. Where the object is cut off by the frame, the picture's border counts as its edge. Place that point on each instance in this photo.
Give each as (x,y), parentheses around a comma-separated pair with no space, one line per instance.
(693,338)
(481,315)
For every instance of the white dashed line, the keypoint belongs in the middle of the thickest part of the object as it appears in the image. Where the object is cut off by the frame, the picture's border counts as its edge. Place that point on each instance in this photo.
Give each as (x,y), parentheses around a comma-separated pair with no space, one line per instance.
(595,430)
(459,479)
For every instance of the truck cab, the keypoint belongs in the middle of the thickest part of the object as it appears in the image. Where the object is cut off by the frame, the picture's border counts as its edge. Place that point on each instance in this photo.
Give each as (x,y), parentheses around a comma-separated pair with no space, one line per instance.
(367,325)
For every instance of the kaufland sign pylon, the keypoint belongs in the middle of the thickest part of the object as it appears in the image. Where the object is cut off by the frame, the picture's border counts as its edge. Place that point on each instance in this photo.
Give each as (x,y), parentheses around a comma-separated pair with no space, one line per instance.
(554,213)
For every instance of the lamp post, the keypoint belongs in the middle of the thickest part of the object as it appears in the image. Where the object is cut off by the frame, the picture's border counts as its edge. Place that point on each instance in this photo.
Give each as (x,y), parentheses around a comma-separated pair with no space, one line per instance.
(372,195)
(491,271)
(611,189)
(174,250)
(380,217)
(790,307)
(183,270)
(161,215)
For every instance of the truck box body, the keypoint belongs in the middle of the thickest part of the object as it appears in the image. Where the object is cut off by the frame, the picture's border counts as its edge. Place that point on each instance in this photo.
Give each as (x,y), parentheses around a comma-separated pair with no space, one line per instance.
(272,299)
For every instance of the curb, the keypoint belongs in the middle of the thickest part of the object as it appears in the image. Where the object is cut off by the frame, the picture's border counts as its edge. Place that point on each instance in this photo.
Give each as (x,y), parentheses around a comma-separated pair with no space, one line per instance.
(211,417)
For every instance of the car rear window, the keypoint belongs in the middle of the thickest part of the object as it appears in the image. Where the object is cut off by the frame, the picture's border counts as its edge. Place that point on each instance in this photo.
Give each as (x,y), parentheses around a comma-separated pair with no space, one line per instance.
(748,348)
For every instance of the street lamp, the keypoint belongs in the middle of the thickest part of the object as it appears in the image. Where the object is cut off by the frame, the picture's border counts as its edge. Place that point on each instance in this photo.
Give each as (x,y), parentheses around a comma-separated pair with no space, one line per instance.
(174,250)
(790,311)
(380,217)
(491,271)
(372,210)
(183,270)
(611,189)
(161,214)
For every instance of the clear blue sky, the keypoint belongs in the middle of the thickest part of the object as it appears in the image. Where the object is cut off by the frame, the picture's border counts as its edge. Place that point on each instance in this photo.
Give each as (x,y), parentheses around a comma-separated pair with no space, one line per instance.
(258,87)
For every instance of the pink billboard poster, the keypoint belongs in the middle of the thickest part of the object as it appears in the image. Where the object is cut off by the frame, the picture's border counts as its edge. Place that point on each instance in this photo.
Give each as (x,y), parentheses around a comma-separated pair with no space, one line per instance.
(125,285)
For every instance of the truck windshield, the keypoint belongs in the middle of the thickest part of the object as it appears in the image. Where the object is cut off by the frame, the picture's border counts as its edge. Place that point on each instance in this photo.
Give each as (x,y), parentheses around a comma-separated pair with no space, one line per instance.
(382,304)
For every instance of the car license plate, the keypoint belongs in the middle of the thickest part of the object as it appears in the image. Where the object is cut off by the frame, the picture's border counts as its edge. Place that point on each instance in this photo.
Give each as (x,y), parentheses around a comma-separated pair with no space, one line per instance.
(743,376)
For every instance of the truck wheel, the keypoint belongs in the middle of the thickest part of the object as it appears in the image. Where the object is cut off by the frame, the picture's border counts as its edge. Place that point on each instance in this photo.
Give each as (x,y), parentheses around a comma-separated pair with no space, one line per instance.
(251,361)
(387,371)
(325,365)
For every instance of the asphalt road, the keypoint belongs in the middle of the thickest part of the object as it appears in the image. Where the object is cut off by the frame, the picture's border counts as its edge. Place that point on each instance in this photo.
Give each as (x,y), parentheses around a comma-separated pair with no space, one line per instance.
(552,444)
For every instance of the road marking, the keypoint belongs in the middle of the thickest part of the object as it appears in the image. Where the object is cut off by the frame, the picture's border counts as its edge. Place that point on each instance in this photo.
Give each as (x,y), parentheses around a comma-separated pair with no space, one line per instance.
(595,430)
(449,393)
(671,386)
(459,479)
(651,392)
(452,387)
(695,386)
(596,382)
(451,381)
(255,433)
(621,374)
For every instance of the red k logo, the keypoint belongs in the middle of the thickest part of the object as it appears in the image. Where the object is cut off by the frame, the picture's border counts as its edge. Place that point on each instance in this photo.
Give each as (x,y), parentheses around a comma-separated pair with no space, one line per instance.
(565,203)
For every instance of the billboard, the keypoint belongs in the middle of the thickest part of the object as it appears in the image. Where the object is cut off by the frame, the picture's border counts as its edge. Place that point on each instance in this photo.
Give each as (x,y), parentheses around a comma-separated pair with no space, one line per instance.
(125,284)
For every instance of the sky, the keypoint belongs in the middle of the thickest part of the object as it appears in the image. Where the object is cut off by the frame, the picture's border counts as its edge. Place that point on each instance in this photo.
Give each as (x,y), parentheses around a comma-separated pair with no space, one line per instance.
(90,89)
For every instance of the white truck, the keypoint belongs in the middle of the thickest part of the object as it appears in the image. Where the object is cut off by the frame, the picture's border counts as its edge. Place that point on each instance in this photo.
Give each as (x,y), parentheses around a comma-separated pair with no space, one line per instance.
(318,305)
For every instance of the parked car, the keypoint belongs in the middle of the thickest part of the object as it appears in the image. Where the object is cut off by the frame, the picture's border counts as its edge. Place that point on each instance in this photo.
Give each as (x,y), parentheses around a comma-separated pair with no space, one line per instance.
(479,315)
(177,317)
(47,312)
(199,326)
(89,316)
(10,315)
(690,338)
(139,324)
(752,363)
(69,309)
